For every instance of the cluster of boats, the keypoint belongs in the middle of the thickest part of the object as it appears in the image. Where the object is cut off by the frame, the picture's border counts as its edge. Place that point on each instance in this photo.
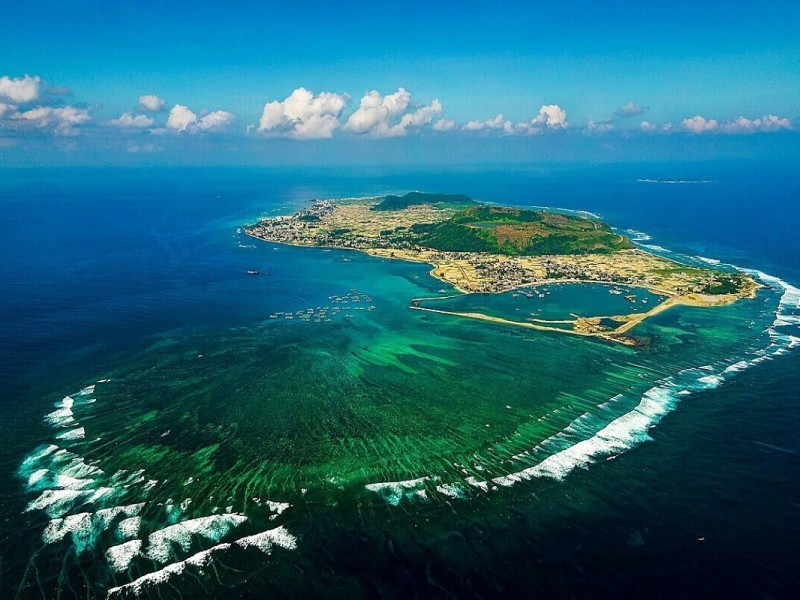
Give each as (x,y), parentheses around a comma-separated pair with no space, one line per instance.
(353,300)
(532,293)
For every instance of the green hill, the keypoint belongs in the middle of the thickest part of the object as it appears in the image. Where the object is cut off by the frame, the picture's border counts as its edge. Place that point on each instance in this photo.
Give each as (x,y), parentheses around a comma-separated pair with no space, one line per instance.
(418,198)
(516,231)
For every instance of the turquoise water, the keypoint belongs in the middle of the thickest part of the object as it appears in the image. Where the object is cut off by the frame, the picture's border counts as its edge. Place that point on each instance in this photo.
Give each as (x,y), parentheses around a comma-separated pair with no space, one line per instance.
(552,302)
(170,432)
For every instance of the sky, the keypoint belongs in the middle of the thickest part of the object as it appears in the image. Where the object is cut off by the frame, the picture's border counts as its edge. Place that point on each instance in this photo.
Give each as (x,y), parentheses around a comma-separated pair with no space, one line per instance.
(264,83)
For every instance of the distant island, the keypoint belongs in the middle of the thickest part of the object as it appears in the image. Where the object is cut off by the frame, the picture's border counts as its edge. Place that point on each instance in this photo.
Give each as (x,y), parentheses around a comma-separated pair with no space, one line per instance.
(486,248)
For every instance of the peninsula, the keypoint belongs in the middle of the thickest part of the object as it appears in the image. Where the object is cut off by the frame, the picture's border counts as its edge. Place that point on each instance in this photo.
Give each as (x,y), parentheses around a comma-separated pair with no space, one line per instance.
(485,248)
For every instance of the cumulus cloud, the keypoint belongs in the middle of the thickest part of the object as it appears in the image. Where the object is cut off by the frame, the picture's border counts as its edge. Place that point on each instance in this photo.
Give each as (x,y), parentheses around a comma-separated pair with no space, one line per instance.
(767,123)
(180,118)
(377,115)
(698,124)
(152,103)
(375,112)
(631,109)
(303,115)
(499,122)
(215,120)
(20,90)
(741,125)
(598,128)
(552,116)
(130,121)
(63,120)
(444,125)
(422,116)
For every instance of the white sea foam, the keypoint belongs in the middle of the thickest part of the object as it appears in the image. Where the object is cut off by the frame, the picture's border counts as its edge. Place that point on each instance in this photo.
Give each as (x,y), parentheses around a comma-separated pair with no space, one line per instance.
(619,435)
(451,490)
(107,515)
(67,482)
(34,460)
(213,528)
(129,528)
(57,503)
(638,236)
(77,433)
(58,528)
(711,380)
(199,561)
(119,557)
(394,491)
(36,476)
(709,261)
(654,247)
(265,540)
(277,508)
(61,417)
(736,367)
(85,528)
(75,466)
(478,484)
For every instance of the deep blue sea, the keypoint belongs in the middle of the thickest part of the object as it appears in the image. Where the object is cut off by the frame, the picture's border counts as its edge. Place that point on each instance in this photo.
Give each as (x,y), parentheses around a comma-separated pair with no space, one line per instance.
(105,269)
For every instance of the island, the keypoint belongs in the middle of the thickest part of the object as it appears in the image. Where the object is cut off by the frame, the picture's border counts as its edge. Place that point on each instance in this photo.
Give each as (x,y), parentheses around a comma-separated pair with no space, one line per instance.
(485,248)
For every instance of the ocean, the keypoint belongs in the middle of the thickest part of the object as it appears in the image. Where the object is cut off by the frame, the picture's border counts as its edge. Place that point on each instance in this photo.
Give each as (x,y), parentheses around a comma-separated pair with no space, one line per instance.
(175,427)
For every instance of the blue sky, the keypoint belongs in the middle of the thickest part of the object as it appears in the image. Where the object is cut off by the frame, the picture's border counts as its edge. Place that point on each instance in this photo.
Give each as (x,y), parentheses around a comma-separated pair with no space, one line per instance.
(570,79)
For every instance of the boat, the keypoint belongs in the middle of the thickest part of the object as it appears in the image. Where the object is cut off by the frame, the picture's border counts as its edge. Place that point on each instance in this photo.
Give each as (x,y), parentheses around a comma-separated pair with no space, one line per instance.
(252,271)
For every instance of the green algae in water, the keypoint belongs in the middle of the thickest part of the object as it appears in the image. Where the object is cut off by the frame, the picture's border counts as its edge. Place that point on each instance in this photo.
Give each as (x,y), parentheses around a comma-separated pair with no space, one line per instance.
(219,438)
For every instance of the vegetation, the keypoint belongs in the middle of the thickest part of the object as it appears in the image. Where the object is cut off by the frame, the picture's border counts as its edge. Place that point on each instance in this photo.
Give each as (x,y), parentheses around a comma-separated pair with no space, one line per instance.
(724,283)
(391,202)
(516,231)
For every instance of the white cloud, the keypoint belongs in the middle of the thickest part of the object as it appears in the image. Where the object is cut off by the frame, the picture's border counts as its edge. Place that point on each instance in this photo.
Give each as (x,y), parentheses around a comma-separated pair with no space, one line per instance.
(765,123)
(631,109)
(215,120)
(20,90)
(444,125)
(129,121)
(303,115)
(5,108)
(549,117)
(598,128)
(422,116)
(474,125)
(375,112)
(698,124)
(64,120)
(151,102)
(375,115)
(552,116)
(180,117)
(146,148)
(496,123)
(648,126)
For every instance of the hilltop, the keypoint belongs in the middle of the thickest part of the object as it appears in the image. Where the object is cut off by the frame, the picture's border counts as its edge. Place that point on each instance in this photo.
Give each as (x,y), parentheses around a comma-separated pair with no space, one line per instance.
(517,231)
(392,202)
